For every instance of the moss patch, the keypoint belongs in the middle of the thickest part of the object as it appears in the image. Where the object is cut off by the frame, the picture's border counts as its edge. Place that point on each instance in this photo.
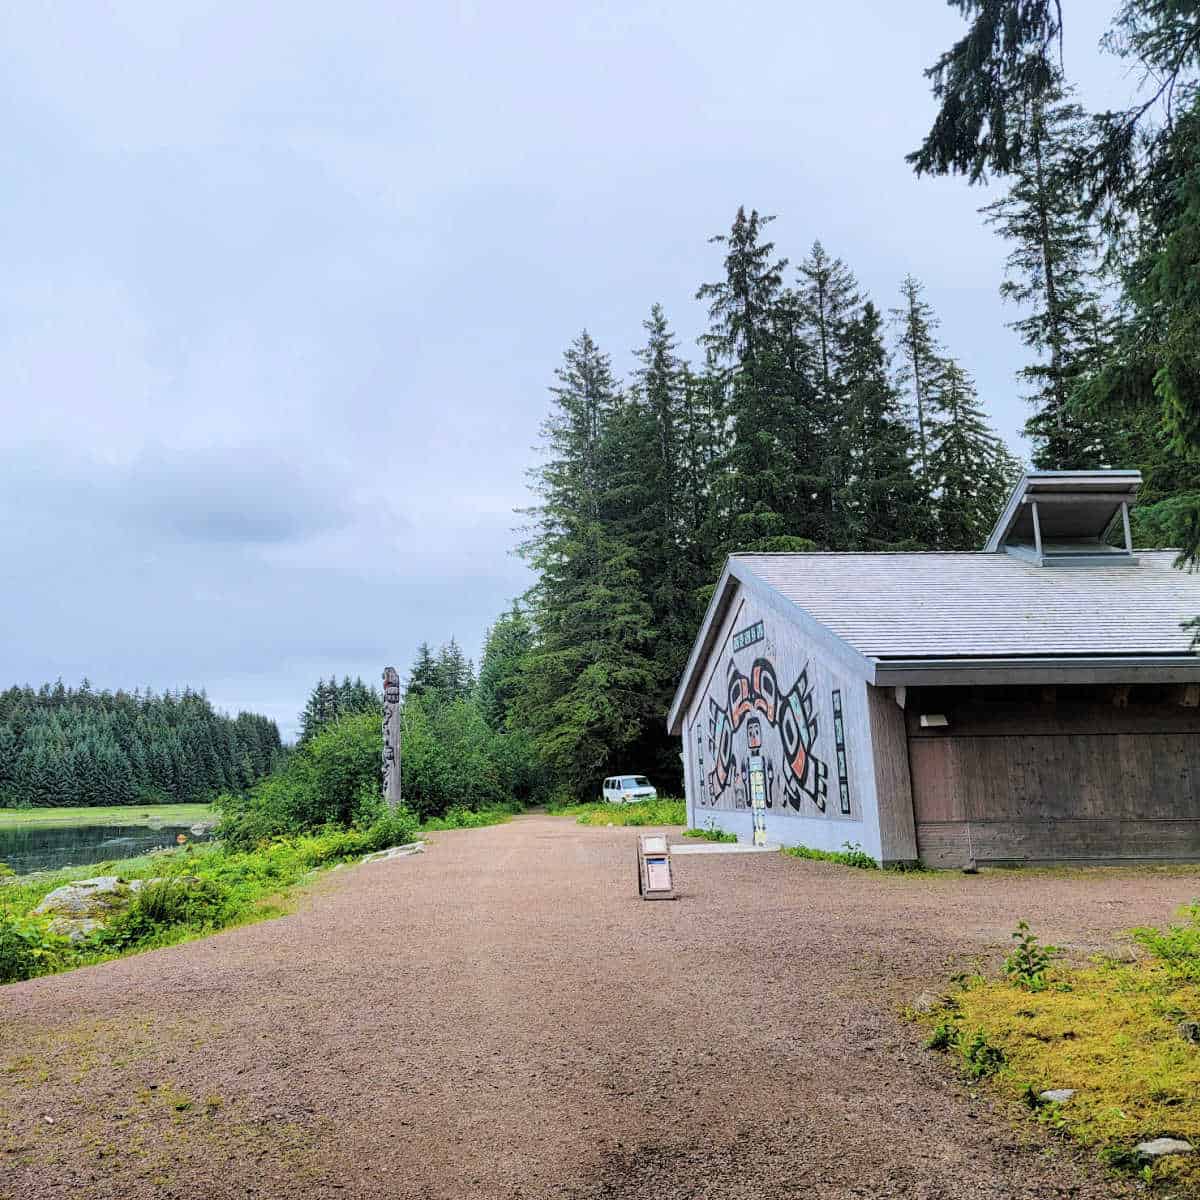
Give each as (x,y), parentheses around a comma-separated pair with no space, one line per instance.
(1112,1032)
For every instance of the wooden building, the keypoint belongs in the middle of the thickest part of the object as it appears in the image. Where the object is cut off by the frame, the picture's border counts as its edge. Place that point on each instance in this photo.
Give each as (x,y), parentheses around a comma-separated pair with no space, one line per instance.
(1037,701)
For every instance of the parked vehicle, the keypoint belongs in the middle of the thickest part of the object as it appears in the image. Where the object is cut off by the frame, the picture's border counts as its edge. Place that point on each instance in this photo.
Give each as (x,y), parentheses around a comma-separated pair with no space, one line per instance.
(625,789)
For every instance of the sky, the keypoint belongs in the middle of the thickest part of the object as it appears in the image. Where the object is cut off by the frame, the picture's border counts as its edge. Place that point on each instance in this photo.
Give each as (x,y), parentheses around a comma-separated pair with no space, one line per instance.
(285,284)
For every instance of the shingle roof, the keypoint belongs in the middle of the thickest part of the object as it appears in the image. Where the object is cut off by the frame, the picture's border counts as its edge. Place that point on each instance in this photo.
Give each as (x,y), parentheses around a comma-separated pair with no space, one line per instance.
(976,605)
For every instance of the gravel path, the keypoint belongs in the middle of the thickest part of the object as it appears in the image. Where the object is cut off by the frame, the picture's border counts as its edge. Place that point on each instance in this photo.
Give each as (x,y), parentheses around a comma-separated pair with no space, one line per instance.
(502,1017)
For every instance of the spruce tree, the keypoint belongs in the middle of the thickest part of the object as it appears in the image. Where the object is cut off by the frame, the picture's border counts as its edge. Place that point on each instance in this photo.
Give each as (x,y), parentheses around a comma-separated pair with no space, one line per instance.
(423,678)
(505,651)
(971,469)
(827,302)
(882,506)
(582,692)
(920,356)
(1052,273)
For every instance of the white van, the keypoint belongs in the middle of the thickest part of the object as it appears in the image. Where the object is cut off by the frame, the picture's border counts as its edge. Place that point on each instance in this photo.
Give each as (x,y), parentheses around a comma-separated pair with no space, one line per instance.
(624,789)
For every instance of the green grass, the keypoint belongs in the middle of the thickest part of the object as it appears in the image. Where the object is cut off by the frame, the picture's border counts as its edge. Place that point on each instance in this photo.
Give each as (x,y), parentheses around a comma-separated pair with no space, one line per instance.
(1112,1031)
(644,812)
(711,834)
(465,818)
(852,856)
(235,887)
(115,814)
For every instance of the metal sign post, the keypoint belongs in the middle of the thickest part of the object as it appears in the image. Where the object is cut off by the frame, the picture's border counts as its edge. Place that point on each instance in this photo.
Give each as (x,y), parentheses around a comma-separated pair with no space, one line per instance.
(654,868)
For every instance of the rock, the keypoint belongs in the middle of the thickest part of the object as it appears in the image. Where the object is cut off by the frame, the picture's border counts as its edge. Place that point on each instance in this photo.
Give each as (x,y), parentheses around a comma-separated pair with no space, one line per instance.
(1162,1146)
(926,1002)
(75,929)
(1190,1031)
(95,898)
(394,852)
(81,908)
(1056,1095)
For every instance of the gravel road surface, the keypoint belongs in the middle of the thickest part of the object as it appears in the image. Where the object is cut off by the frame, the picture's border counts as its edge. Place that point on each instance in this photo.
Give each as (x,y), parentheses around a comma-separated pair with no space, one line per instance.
(503,1017)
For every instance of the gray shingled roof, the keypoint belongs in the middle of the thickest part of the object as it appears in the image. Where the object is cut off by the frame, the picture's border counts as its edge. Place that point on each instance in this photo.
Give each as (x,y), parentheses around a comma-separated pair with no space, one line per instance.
(983,605)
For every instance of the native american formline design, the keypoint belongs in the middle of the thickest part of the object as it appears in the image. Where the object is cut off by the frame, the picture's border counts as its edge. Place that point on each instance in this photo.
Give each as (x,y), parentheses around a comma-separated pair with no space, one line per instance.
(755,700)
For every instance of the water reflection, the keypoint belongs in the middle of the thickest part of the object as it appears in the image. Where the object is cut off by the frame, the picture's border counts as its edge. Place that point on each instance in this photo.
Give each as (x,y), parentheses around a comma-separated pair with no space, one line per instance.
(28,848)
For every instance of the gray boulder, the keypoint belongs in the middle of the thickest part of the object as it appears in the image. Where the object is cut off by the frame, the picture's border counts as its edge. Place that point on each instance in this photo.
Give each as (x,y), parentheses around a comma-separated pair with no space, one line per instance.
(96,898)
(81,908)
(1057,1095)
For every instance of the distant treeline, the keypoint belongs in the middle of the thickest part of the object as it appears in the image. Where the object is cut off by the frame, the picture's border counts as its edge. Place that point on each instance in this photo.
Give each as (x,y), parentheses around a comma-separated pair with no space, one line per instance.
(63,746)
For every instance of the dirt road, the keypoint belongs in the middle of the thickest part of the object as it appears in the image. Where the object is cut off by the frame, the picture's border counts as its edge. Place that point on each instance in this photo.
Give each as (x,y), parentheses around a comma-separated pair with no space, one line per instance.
(502,1017)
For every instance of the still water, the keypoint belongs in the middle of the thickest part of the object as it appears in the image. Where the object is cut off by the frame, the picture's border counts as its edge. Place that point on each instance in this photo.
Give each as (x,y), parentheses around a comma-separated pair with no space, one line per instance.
(28,848)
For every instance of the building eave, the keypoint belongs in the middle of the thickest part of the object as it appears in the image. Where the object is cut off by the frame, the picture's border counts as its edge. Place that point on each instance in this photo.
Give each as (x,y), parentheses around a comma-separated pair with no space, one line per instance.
(960,672)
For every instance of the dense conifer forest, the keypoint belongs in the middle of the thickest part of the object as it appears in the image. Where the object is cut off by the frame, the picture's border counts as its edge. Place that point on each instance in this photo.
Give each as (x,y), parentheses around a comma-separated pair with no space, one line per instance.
(811,416)
(63,746)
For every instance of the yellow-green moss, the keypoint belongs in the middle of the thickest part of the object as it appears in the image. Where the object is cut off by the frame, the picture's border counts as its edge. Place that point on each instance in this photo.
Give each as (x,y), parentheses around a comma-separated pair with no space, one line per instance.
(1111,1032)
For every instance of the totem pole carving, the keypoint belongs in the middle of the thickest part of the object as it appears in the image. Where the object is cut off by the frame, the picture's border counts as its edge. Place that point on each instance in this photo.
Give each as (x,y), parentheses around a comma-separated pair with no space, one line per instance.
(391,738)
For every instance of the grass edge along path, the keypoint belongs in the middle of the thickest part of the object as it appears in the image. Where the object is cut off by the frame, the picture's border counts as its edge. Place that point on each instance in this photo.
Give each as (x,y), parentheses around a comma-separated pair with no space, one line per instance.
(663,811)
(1118,1032)
(112,814)
(199,890)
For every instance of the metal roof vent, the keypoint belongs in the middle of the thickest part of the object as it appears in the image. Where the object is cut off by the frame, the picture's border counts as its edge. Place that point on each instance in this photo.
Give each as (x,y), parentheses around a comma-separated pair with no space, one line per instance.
(1059,518)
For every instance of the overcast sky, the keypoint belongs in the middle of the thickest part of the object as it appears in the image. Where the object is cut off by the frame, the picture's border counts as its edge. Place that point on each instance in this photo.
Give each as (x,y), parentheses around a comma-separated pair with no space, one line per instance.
(284,286)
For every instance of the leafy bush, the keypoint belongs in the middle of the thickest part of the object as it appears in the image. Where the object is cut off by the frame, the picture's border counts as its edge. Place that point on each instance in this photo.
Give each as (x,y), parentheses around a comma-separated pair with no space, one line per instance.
(711,834)
(464,818)
(326,781)
(662,811)
(853,856)
(1178,945)
(1027,965)
(164,903)
(27,948)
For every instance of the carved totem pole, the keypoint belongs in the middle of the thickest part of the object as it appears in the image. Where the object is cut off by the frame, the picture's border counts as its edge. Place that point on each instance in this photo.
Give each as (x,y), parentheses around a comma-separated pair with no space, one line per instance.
(391,738)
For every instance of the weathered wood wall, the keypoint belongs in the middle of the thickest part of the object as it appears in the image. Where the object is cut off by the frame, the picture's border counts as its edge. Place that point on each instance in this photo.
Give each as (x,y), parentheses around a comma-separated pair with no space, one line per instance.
(1085,774)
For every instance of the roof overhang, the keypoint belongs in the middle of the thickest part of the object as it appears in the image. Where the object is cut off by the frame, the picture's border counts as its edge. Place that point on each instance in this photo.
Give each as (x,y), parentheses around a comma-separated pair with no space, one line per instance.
(995,672)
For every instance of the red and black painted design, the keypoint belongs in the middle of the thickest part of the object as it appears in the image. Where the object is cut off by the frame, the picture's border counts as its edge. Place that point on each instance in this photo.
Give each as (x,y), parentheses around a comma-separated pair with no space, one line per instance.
(804,776)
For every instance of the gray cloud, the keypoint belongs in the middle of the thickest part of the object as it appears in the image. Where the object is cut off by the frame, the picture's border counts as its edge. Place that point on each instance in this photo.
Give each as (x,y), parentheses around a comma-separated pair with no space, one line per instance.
(284,289)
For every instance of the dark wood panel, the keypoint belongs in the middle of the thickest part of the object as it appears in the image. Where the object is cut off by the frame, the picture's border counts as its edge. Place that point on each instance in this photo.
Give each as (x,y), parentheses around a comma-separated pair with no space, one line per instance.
(1085,777)
(993,712)
(952,844)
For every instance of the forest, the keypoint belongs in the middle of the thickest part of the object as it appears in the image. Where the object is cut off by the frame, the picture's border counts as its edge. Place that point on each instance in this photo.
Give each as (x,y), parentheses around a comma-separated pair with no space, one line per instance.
(810,416)
(67,747)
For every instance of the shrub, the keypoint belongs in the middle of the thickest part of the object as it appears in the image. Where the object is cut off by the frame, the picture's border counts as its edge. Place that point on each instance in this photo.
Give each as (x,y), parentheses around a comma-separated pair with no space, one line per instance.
(27,948)
(711,834)
(1178,945)
(853,856)
(1027,965)
(164,903)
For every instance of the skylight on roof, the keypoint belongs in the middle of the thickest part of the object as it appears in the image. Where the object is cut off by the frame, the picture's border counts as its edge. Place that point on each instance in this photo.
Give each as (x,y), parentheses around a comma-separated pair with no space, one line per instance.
(1061,518)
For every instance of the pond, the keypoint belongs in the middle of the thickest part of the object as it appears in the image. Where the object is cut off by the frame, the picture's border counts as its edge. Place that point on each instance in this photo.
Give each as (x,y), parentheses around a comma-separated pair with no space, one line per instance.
(47,847)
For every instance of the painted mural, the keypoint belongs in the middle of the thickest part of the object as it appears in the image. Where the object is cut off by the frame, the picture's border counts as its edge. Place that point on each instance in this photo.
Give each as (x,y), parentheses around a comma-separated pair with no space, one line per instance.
(758,736)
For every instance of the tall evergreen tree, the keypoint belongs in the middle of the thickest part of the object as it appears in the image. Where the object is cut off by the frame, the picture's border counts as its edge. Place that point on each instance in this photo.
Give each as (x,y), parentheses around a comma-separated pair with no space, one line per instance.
(424,676)
(970,467)
(582,691)
(921,356)
(508,643)
(828,301)
(882,502)
(1053,275)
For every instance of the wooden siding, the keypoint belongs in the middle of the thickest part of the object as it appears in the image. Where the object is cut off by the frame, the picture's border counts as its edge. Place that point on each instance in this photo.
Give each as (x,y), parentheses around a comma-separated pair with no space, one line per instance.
(1057,774)
(889,748)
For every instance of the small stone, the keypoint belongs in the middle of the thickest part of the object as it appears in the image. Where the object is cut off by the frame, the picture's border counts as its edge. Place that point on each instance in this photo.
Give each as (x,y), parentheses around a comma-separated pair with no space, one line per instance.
(1160,1147)
(926,1002)
(1190,1031)
(1056,1095)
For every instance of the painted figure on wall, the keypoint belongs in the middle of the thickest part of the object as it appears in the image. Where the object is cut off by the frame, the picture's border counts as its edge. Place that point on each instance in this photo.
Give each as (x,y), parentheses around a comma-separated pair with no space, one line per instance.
(780,764)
